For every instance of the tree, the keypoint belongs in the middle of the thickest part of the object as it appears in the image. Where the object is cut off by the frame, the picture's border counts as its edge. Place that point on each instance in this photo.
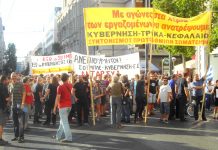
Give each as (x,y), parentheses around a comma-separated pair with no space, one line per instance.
(184,9)
(10,59)
(214,36)
(57,48)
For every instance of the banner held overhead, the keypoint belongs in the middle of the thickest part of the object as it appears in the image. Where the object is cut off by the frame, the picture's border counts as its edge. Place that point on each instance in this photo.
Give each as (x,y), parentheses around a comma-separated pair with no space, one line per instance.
(117,26)
(99,65)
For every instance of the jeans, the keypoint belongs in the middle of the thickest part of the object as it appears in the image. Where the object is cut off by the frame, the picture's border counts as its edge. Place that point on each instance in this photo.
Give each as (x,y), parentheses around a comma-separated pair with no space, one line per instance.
(27,115)
(64,127)
(19,121)
(116,110)
(208,100)
(126,111)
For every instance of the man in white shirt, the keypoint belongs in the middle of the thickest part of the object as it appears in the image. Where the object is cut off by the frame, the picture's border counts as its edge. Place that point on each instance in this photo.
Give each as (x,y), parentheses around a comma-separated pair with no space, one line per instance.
(164,100)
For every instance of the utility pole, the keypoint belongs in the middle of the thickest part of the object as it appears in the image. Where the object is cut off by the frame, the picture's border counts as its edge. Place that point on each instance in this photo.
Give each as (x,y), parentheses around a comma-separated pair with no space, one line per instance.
(147,3)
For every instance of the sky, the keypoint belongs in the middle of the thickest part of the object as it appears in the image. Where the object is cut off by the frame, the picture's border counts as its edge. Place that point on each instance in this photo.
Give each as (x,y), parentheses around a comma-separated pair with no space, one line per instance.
(25,21)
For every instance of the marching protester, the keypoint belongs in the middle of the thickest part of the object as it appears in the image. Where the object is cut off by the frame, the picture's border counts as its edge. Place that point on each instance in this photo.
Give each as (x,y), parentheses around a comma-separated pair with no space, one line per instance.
(153,90)
(126,100)
(63,102)
(28,99)
(208,95)
(140,98)
(37,100)
(116,91)
(18,104)
(198,88)
(4,98)
(72,114)
(164,99)
(215,92)
(104,84)
(49,98)
(182,95)
(81,94)
(134,84)
(172,84)
(97,94)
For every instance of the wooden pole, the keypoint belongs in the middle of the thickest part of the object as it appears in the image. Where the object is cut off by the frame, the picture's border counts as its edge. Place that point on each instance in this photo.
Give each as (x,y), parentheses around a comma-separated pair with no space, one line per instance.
(90,76)
(203,100)
(148,78)
(149,71)
(91,94)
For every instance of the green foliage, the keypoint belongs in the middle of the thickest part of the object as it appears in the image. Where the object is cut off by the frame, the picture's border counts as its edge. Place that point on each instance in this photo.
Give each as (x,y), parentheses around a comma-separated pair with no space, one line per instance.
(184,9)
(10,58)
(214,35)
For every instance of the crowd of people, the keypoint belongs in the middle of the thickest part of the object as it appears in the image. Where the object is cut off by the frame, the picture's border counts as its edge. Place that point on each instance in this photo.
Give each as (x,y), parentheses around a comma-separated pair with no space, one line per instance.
(68,95)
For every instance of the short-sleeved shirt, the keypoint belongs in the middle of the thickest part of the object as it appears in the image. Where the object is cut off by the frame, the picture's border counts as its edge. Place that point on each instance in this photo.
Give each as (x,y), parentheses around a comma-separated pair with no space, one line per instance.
(53,92)
(115,89)
(17,92)
(209,88)
(153,86)
(3,95)
(198,92)
(37,90)
(140,89)
(81,90)
(164,90)
(29,98)
(172,85)
(182,83)
(64,91)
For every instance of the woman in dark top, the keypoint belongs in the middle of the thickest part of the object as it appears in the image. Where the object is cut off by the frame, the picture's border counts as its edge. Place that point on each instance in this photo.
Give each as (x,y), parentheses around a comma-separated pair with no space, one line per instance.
(140,98)
(51,93)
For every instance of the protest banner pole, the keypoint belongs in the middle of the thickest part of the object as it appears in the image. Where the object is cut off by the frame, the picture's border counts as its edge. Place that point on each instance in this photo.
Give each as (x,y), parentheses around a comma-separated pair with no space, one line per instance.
(90,76)
(90,83)
(149,71)
(148,78)
(208,46)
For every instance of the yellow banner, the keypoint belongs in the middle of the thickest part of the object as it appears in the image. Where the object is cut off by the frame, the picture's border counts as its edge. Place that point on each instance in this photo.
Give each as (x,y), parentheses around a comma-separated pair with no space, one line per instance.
(52,70)
(117,26)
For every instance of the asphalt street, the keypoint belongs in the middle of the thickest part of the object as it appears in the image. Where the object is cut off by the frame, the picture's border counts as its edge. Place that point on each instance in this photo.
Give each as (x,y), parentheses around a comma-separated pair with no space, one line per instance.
(154,135)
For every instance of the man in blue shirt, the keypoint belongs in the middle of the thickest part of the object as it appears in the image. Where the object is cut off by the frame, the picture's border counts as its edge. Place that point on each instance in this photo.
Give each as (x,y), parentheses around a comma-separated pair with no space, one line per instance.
(198,88)
(172,84)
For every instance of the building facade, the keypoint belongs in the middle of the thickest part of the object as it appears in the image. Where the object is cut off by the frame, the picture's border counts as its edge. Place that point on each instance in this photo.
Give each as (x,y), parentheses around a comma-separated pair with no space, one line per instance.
(71,27)
(51,32)
(2,45)
(71,34)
